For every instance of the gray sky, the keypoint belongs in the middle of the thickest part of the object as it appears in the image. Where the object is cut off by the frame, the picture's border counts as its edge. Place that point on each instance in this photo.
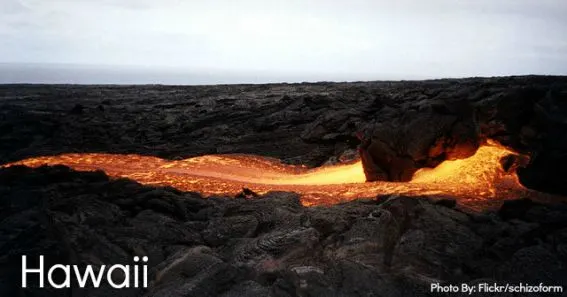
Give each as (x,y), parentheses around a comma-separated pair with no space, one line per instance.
(295,39)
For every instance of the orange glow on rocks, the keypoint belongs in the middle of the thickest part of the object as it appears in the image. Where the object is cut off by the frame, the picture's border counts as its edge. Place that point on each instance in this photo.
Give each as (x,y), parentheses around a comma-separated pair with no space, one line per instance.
(475,180)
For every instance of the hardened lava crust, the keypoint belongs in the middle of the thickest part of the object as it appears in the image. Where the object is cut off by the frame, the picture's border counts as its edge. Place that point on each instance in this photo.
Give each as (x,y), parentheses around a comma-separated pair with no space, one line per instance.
(93,206)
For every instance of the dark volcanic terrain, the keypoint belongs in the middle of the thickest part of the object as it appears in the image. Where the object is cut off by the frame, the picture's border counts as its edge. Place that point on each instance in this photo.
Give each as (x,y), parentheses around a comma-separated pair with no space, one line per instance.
(271,245)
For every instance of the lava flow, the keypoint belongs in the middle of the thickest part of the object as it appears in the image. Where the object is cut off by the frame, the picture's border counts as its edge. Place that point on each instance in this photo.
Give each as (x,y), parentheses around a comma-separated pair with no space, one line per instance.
(473,180)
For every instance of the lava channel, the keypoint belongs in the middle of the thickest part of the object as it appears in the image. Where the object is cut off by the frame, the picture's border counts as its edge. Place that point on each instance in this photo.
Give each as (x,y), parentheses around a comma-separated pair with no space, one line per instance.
(477,180)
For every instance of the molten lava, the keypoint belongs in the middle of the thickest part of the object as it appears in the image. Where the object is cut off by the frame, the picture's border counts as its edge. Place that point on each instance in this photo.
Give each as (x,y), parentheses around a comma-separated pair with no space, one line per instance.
(476,179)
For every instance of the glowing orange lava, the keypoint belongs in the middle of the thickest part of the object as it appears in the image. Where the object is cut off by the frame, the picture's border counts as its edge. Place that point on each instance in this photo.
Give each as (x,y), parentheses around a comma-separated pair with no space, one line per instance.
(475,179)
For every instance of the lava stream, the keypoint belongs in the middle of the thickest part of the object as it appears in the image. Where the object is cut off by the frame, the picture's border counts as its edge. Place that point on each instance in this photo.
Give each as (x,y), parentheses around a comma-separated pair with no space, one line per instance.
(475,179)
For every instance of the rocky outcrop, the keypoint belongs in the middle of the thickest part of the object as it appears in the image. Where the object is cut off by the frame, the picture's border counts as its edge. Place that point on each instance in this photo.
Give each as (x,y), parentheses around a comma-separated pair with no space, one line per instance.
(268,245)
(421,134)
(526,114)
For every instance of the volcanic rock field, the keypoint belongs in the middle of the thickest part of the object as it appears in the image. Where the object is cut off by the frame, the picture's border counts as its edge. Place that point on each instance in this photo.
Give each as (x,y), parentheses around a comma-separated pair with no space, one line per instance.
(270,244)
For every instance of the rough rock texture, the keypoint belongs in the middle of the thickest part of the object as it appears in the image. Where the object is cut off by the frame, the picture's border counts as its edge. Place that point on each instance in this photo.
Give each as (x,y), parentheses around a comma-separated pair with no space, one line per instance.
(269,245)
(404,125)
(431,122)
(419,135)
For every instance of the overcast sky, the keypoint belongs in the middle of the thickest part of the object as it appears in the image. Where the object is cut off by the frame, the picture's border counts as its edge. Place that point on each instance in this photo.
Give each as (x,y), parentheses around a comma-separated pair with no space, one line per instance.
(302,39)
